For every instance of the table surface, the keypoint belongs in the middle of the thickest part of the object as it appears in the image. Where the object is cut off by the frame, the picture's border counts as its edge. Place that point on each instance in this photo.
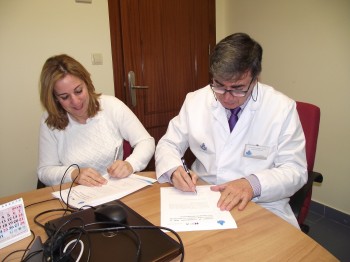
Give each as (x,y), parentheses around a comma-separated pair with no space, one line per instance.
(260,236)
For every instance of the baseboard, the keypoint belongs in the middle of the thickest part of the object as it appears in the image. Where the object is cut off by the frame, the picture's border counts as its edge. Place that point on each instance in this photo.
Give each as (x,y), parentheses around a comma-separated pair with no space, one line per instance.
(330,213)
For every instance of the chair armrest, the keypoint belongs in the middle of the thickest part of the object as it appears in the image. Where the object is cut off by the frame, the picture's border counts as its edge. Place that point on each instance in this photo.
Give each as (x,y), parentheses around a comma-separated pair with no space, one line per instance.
(297,200)
(316,177)
(40,184)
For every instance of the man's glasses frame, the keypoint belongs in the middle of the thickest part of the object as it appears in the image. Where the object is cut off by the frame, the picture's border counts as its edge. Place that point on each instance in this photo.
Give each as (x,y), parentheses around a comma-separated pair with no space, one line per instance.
(222,90)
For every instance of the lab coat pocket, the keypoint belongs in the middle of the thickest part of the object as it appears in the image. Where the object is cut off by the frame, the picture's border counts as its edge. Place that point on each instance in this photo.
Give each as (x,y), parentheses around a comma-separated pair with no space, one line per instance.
(259,157)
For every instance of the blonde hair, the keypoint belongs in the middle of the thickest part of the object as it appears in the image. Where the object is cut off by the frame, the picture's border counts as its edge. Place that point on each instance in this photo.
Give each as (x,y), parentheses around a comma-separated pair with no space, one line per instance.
(54,69)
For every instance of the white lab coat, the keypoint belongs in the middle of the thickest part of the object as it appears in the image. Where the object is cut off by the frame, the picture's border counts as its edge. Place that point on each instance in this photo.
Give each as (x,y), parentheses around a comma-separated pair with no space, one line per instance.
(271,122)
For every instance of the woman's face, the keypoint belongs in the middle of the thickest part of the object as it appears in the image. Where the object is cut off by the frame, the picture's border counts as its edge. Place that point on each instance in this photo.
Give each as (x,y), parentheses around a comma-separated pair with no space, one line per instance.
(71,92)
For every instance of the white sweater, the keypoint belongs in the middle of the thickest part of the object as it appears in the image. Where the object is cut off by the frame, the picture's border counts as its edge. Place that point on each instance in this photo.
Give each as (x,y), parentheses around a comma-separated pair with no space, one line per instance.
(93,144)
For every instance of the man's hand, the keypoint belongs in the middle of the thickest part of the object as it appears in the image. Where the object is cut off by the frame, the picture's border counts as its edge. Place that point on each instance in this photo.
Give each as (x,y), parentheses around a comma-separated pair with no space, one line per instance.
(238,192)
(120,169)
(181,180)
(88,177)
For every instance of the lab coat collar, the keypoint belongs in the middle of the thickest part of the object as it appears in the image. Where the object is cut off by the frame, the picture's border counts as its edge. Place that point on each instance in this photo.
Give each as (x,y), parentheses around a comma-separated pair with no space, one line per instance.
(250,107)
(252,104)
(217,109)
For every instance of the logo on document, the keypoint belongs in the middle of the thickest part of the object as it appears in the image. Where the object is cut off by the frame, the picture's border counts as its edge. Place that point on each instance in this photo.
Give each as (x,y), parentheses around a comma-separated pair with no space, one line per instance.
(221,222)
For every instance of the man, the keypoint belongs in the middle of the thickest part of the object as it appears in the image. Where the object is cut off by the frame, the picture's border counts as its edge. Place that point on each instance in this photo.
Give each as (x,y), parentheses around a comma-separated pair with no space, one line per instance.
(261,159)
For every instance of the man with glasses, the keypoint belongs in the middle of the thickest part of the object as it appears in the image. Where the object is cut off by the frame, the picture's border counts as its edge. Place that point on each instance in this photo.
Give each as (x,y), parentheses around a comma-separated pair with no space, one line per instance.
(259,157)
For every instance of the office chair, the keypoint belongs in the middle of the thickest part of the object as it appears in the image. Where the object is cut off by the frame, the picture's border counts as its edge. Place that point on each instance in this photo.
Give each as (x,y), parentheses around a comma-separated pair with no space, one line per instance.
(127,150)
(300,202)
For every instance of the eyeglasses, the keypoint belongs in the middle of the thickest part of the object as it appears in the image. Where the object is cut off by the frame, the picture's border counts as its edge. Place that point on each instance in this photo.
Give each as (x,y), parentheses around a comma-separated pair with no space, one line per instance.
(222,90)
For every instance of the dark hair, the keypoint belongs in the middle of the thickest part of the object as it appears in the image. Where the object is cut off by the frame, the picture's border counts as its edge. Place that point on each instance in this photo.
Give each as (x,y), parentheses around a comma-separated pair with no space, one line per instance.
(54,69)
(235,55)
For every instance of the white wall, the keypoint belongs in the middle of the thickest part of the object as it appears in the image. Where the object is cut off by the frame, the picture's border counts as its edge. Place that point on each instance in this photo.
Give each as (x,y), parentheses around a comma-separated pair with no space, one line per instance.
(306,56)
(30,32)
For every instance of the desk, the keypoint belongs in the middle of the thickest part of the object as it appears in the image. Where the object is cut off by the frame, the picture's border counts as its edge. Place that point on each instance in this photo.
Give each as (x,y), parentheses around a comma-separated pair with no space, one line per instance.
(31,211)
(260,236)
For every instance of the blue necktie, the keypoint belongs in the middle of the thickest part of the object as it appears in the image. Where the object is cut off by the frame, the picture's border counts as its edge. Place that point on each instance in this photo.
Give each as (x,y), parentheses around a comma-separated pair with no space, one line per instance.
(233,118)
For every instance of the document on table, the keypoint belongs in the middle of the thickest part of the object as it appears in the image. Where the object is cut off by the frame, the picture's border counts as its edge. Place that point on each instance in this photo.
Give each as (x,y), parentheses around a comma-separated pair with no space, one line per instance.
(115,188)
(188,211)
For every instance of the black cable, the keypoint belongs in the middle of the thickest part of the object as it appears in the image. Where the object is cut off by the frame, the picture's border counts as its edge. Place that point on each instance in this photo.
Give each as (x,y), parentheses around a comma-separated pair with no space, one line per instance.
(13,252)
(21,250)
(36,222)
(56,241)
(120,226)
(67,209)
(123,227)
(59,236)
(43,201)
(71,185)
(182,249)
(31,241)
(31,255)
(72,232)
(49,211)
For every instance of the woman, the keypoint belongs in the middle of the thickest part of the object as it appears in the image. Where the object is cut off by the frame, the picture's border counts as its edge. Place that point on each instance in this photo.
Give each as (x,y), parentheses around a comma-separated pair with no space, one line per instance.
(85,129)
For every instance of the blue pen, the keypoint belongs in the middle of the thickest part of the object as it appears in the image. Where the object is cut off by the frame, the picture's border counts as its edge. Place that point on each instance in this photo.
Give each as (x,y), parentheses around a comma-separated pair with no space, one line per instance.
(186,169)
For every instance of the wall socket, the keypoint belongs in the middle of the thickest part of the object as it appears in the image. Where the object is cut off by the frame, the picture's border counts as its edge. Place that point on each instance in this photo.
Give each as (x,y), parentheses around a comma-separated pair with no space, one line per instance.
(97,59)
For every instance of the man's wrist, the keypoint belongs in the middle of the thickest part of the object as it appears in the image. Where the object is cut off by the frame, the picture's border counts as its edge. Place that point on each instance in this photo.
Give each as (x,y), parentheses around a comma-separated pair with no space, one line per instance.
(255,184)
(169,175)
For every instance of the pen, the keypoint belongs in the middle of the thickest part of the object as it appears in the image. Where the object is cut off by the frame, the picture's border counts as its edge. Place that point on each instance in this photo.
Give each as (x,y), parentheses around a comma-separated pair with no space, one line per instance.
(116,153)
(186,169)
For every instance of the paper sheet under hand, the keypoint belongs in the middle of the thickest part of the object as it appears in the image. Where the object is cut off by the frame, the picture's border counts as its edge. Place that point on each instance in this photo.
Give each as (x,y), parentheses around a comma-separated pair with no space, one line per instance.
(188,211)
(114,189)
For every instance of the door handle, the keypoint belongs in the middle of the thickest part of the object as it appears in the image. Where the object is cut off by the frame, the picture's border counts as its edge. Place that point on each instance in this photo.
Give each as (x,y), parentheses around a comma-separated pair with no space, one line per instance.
(132,87)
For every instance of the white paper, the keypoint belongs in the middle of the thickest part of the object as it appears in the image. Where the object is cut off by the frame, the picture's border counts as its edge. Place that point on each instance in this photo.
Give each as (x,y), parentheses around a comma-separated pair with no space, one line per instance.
(114,189)
(188,211)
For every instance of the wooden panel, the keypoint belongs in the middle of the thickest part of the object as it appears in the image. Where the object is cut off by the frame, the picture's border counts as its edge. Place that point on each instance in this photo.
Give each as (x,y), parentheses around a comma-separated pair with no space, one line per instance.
(166,44)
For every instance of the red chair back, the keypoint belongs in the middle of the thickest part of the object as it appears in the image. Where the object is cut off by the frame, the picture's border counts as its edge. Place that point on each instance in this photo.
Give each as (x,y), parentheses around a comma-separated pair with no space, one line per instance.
(310,120)
(127,149)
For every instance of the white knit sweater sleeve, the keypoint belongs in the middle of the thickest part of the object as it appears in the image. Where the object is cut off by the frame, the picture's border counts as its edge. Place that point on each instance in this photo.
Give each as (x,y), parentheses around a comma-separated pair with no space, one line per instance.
(50,169)
(92,144)
(132,130)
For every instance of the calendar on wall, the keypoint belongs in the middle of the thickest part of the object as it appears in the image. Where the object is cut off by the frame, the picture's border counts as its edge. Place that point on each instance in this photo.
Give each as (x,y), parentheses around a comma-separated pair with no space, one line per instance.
(13,222)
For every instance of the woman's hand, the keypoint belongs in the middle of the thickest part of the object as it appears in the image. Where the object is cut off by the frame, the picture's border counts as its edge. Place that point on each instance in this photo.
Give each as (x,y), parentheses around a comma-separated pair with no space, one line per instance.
(120,169)
(88,177)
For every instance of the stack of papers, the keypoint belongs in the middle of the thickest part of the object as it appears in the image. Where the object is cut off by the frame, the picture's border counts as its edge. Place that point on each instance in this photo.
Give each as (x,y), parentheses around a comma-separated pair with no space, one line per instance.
(188,211)
(115,188)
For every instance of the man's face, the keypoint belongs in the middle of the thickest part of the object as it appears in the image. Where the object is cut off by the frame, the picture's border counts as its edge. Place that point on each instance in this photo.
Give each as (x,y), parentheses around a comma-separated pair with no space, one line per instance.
(234,93)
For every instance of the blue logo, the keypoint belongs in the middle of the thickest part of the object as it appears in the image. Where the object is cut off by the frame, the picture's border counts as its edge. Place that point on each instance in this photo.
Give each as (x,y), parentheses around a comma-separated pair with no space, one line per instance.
(248,153)
(203,146)
(221,222)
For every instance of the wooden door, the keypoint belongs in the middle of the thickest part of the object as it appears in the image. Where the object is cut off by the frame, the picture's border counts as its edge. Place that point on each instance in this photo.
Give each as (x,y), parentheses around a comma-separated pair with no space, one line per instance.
(166,43)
